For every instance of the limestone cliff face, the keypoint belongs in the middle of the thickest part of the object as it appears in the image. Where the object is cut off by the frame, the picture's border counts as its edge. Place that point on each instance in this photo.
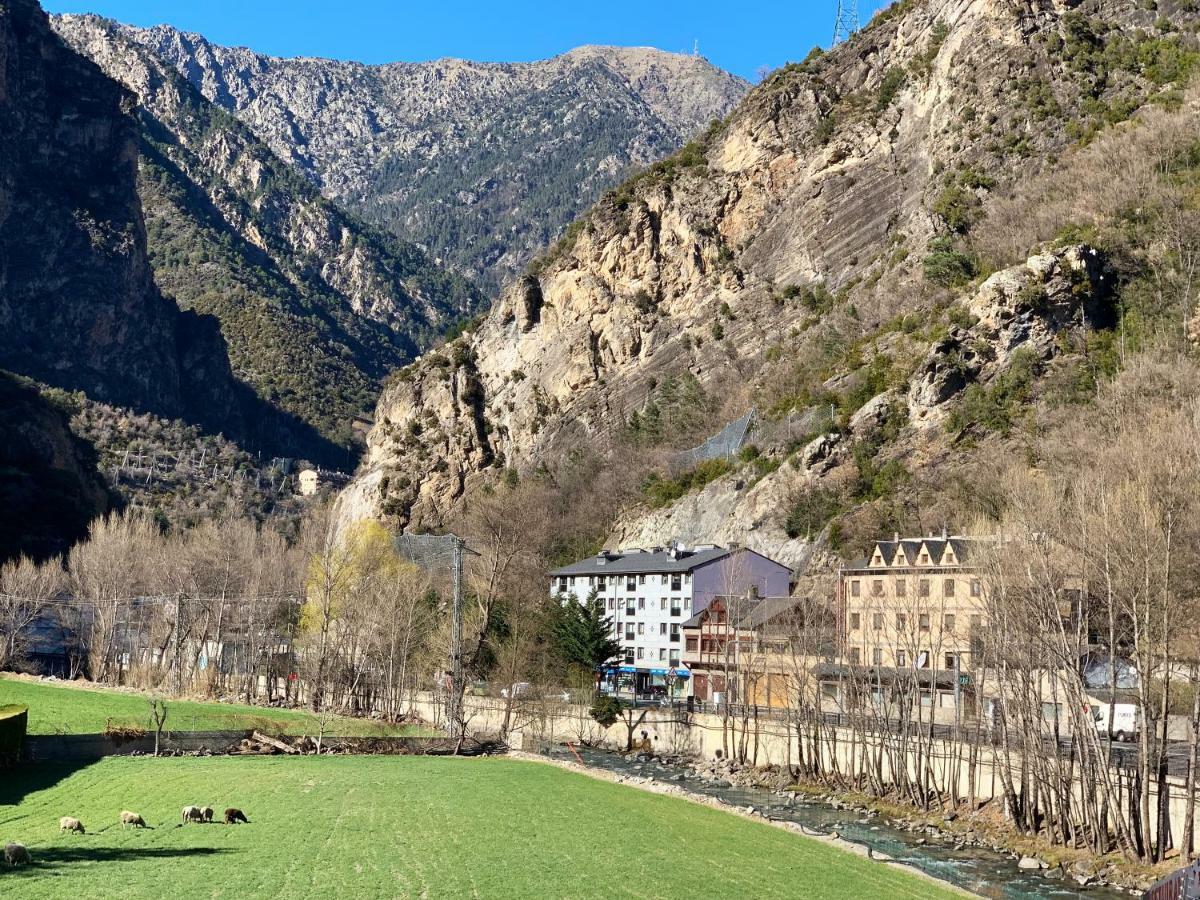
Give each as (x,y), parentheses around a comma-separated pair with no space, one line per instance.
(78,306)
(316,305)
(838,173)
(442,151)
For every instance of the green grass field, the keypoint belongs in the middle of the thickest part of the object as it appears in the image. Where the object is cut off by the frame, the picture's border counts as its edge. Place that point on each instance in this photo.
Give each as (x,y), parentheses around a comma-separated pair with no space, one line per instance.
(58,709)
(403,827)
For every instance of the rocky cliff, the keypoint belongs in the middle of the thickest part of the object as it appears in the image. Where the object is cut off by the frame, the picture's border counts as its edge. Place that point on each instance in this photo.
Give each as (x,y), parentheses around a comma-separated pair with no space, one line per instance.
(481,163)
(316,306)
(78,305)
(811,253)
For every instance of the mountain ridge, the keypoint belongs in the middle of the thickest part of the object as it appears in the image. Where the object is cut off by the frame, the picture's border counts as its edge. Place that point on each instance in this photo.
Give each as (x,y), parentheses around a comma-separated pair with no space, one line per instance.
(481,163)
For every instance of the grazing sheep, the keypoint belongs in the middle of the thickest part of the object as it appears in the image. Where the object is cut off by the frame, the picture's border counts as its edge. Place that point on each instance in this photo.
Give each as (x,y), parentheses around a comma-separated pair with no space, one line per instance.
(206,814)
(15,854)
(192,814)
(131,818)
(233,816)
(69,823)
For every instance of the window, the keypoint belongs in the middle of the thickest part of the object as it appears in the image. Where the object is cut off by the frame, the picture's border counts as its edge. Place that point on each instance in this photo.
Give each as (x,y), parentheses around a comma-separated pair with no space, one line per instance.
(630,583)
(662,603)
(662,653)
(924,659)
(829,690)
(641,653)
(923,621)
(676,610)
(629,632)
(901,659)
(946,699)
(854,617)
(641,602)
(926,699)
(877,588)
(662,627)
(855,589)
(901,587)
(976,588)
(948,587)
(612,602)
(923,587)
(676,583)
(674,658)
(600,583)
(948,622)
(901,621)
(629,656)
(877,621)
(877,657)
(562,584)
(641,579)
(641,627)
(855,656)
(925,558)
(664,579)
(630,607)
(951,662)
(674,633)
(692,644)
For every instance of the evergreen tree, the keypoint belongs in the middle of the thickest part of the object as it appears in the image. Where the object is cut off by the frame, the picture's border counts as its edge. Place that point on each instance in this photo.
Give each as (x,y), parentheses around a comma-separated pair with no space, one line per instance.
(585,634)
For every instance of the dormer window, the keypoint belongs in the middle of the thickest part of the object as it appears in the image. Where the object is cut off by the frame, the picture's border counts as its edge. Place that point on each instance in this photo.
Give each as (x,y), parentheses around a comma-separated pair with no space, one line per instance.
(924,558)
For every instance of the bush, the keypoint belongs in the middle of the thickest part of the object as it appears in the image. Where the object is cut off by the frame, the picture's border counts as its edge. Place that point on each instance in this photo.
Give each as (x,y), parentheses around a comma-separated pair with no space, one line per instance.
(893,81)
(812,510)
(660,492)
(1000,405)
(605,710)
(947,266)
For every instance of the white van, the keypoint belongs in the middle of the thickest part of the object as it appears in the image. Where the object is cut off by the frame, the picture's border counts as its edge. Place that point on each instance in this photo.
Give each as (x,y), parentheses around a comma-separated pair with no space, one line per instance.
(1126,721)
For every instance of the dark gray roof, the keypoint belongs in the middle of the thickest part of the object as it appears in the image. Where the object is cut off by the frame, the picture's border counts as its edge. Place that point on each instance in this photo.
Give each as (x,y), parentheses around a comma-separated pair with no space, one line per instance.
(912,547)
(643,561)
(756,613)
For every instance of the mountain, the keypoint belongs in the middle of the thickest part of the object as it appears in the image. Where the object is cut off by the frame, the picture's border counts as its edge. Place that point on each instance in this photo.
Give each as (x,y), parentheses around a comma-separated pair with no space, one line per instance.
(897,256)
(315,305)
(482,164)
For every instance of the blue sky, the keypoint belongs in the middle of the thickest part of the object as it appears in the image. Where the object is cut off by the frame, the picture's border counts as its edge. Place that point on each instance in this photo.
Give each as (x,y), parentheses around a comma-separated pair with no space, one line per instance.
(740,38)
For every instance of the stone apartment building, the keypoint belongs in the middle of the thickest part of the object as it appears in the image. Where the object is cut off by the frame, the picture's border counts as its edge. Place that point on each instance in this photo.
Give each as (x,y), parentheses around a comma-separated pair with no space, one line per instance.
(650,593)
(913,608)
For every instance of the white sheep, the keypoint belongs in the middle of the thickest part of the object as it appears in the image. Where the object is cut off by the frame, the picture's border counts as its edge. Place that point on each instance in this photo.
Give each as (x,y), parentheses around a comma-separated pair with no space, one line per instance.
(131,818)
(15,854)
(192,814)
(70,823)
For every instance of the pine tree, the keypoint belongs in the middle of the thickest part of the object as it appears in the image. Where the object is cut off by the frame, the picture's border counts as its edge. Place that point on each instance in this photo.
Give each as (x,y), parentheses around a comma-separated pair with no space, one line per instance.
(585,634)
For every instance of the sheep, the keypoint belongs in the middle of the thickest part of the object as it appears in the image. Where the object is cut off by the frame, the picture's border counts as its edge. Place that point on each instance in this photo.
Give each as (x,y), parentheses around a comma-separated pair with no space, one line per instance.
(131,818)
(206,814)
(233,816)
(15,854)
(69,823)
(192,814)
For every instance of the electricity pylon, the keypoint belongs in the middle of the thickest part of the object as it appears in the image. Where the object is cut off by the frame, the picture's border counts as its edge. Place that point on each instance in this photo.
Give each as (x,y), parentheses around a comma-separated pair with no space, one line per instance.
(847,20)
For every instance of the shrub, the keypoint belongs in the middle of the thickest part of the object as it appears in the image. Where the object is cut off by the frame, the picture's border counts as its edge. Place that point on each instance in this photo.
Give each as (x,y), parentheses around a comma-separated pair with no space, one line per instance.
(812,510)
(893,81)
(948,266)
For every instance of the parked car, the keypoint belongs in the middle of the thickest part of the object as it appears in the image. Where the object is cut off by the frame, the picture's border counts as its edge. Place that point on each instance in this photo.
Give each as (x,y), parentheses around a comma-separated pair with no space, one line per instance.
(519,689)
(1126,720)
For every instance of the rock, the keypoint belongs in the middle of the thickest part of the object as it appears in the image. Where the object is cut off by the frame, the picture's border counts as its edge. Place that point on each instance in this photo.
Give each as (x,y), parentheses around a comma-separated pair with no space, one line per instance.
(1028,862)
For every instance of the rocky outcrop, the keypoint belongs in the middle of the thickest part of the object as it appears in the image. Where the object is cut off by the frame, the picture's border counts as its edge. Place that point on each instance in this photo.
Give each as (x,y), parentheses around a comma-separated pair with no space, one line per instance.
(791,242)
(441,151)
(316,305)
(1025,308)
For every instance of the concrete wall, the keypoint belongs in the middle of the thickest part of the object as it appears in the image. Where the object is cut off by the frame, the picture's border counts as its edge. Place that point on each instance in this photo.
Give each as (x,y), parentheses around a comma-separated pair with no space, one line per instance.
(706,736)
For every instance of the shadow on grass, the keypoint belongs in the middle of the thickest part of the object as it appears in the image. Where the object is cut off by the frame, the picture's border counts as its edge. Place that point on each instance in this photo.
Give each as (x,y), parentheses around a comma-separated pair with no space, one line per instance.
(46,859)
(19,781)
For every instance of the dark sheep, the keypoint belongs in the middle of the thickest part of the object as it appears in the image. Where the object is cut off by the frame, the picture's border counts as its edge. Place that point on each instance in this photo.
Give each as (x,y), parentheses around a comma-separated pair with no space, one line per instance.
(15,854)
(206,813)
(233,816)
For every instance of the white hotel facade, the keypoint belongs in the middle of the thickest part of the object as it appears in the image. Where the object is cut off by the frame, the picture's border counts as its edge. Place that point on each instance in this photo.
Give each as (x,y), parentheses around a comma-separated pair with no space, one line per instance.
(650,593)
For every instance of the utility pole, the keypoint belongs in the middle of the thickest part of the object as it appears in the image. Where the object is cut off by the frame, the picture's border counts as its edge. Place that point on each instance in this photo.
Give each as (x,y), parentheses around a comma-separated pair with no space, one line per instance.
(456,671)
(847,21)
